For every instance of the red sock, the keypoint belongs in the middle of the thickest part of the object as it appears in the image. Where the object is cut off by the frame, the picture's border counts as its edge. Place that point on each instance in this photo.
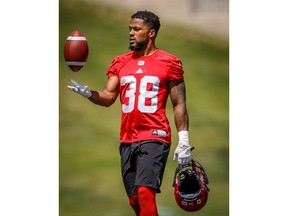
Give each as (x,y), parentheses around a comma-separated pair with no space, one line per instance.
(146,197)
(133,200)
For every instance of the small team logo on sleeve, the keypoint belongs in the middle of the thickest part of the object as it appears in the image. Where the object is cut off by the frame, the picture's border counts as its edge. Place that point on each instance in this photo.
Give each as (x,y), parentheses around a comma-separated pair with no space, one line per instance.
(159,133)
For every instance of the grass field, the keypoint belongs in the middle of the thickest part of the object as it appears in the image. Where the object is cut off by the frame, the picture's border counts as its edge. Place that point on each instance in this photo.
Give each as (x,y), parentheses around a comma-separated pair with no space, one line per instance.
(90,181)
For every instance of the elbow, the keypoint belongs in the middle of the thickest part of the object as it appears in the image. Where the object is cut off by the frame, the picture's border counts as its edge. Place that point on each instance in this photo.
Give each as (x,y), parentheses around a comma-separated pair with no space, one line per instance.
(181,107)
(105,103)
(109,102)
(102,99)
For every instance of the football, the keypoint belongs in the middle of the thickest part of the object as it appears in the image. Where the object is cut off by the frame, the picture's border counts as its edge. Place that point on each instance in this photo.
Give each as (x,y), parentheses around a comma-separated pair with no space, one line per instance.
(76,50)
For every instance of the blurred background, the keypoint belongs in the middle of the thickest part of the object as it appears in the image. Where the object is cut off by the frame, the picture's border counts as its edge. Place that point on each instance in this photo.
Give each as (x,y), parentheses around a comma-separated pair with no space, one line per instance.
(210,16)
(89,164)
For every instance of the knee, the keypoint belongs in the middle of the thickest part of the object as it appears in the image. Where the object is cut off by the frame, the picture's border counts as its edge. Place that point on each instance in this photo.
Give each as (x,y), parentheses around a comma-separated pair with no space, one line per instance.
(133,201)
(146,193)
(147,201)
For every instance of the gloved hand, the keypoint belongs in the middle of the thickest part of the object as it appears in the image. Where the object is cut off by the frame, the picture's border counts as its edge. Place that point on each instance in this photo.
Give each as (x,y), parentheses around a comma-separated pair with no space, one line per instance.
(183,150)
(80,89)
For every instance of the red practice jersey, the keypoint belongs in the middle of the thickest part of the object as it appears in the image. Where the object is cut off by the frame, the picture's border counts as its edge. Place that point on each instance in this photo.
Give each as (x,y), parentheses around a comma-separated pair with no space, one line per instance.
(143,94)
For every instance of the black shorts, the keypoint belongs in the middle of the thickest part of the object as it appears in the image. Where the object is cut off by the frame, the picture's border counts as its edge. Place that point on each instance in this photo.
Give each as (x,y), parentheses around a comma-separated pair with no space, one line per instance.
(143,164)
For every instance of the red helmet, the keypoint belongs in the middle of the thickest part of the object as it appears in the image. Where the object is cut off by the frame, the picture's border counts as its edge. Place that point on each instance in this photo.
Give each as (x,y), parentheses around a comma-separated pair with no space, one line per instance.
(191,186)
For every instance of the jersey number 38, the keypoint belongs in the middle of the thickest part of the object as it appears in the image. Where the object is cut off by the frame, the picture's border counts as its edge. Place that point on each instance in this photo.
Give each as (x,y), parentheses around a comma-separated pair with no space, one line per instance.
(148,90)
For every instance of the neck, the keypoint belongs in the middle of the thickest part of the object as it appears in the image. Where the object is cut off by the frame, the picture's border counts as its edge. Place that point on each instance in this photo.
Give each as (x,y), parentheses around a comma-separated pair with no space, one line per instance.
(148,50)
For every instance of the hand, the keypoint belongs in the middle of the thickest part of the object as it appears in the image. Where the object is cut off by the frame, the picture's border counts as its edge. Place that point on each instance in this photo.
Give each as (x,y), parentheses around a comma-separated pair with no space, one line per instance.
(80,89)
(183,150)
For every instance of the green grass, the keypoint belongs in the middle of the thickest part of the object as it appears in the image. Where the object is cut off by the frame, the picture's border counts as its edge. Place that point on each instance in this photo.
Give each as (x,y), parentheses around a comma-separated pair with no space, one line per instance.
(90,180)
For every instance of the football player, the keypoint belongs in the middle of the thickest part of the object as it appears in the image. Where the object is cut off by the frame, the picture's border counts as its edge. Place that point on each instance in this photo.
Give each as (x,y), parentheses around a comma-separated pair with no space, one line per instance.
(143,79)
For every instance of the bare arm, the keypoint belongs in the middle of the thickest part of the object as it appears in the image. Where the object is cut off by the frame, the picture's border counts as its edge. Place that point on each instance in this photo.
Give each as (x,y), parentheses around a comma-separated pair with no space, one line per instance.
(108,95)
(178,98)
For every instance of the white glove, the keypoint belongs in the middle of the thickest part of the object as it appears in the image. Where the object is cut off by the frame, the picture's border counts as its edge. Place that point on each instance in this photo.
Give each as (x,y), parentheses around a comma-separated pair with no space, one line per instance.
(183,150)
(80,89)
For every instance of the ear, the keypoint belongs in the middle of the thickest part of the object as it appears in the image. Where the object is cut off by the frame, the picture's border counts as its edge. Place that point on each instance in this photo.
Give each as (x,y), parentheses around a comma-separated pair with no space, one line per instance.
(152,33)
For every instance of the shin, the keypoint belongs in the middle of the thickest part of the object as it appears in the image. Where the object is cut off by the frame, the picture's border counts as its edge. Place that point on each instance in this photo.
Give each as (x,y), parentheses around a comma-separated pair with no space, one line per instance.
(134,203)
(147,202)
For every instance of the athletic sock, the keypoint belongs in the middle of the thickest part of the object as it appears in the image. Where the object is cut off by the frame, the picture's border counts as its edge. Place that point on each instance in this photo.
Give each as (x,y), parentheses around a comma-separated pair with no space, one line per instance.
(146,197)
(133,200)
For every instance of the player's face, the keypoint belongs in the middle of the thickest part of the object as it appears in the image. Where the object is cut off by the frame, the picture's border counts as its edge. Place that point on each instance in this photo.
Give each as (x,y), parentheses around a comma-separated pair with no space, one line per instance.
(138,35)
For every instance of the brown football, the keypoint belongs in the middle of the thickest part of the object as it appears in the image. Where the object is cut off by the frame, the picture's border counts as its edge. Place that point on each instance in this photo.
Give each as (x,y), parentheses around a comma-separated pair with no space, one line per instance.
(76,50)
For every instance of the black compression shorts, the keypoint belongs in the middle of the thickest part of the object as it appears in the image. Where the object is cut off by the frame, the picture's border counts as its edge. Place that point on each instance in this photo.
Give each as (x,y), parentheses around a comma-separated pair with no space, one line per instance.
(143,164)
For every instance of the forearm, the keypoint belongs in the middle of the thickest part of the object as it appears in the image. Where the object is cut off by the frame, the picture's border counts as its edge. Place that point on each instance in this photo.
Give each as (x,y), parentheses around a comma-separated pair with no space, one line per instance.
(183,149)
(178,98)
(181,117)
(101,98)
(109,94)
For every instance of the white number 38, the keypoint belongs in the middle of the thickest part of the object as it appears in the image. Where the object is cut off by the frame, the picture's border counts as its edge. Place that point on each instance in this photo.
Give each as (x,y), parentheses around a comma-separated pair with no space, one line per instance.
(144,93)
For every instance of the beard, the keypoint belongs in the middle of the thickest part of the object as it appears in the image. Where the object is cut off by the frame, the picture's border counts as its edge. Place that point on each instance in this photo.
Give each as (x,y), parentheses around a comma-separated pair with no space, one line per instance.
(138,46)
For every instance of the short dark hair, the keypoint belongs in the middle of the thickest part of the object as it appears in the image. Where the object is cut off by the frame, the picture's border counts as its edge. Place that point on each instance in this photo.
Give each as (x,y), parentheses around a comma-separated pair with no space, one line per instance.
(150,19)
